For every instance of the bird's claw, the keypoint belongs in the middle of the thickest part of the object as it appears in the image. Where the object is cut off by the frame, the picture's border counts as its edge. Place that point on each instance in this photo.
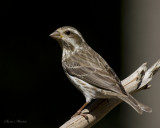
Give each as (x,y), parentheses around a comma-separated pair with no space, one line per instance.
(81,114)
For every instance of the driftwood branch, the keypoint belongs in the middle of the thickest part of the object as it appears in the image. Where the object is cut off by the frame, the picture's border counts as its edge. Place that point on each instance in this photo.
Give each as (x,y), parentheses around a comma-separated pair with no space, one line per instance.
(99,108)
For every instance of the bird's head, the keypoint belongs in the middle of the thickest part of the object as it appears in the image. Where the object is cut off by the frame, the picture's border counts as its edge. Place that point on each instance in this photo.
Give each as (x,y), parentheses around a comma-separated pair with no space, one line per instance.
(68,37)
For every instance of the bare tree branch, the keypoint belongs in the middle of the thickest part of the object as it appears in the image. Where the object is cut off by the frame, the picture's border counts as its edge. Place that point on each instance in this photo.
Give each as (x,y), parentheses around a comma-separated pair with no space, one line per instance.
(97,110)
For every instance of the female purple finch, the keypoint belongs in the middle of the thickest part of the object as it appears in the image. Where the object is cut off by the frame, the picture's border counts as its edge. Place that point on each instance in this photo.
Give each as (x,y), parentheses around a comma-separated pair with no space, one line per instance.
(89,72)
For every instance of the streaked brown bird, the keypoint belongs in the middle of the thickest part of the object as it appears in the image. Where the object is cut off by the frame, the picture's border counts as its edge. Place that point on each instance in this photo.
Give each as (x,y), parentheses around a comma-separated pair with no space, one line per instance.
(89,72)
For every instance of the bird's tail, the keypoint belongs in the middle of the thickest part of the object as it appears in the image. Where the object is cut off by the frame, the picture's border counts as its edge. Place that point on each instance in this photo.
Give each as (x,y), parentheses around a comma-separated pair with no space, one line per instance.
(139,107)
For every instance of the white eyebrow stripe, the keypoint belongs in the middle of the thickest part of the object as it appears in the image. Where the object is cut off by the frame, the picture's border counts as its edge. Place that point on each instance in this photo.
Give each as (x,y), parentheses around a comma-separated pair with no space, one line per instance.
(78,33)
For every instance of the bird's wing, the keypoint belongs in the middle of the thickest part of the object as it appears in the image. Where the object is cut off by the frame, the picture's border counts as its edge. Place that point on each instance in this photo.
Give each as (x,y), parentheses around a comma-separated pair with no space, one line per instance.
(101,78)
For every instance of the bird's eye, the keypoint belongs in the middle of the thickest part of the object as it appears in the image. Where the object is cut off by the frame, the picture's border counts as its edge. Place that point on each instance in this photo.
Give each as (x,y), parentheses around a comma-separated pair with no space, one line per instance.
(67,32)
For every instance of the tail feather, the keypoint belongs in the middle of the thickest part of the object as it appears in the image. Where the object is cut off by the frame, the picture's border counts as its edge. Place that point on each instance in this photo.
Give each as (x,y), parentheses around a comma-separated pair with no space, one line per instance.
(139,107)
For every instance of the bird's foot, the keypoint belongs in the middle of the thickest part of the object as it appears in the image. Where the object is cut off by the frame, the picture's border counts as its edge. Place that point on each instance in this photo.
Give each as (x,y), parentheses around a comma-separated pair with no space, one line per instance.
(81,114)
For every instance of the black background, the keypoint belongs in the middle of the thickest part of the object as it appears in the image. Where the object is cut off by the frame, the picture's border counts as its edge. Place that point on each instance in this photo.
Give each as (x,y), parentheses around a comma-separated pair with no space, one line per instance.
(33,86)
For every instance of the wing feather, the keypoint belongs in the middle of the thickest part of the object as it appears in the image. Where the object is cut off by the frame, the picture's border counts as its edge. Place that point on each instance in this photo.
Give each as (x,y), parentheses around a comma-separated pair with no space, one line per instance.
(96,77)
(90,67)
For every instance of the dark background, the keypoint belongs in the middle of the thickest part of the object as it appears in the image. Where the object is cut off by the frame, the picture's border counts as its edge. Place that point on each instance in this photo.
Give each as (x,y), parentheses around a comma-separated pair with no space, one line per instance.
(33,86)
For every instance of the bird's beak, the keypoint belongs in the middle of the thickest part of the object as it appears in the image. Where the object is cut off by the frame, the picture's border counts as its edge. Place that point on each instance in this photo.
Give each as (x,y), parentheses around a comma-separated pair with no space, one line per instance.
(56,35)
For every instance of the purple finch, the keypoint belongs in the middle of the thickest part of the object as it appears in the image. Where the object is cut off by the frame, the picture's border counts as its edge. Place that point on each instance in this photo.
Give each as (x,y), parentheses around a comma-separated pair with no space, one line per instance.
(89,72)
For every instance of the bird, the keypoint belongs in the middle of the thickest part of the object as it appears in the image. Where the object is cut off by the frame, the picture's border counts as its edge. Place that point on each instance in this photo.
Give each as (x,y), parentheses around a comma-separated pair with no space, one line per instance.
(89,72)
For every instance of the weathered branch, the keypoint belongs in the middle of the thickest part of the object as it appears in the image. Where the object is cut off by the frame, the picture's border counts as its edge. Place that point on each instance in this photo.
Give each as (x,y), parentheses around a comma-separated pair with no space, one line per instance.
(97,110)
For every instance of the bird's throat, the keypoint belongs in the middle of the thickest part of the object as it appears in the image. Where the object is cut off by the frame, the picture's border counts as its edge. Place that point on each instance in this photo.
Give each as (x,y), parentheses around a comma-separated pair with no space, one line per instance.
(66,53)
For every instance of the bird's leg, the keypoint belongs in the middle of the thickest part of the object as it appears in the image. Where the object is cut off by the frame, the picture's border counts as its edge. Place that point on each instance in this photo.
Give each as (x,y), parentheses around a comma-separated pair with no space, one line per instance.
(80,110)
